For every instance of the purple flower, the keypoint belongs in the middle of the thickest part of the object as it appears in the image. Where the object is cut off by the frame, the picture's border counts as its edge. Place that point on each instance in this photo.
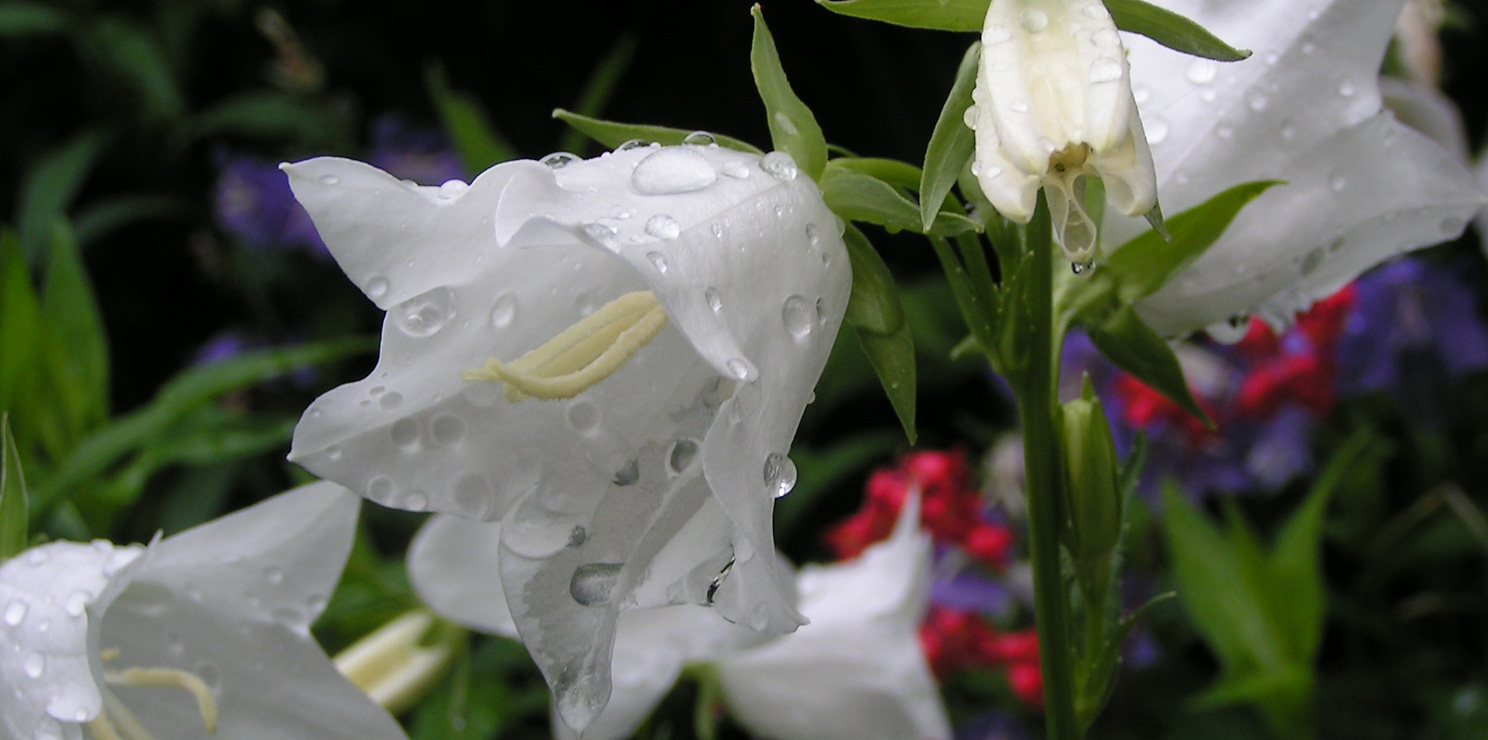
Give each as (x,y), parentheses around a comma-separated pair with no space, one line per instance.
(255,205)
(423,155)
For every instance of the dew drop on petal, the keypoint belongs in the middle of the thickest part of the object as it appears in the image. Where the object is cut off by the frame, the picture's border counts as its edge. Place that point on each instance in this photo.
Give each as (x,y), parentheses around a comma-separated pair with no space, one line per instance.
(76,603)
(969,116)
(504,310)
(1103,36)
(779,474)
(739,367)
(447,430)
(681,455)
(779,165)
(1033,20)
(797,314)
(736,169)
(628,474)
(672,170)
(714,299)
(813,233)
(663,226)
(416,501)
(390,401)
(1345,87)
(658,261)
(559,160)
(582,416)
(700,138)
(1105,69)
(593,583)
(633,144)
(1337,180)
(330,180)
(1202,71)
(1311,261)
(995,34)
(15,612)
(473,494)
(377,287)
(405,432)
(451,189)
(1255,100)
(34,664)
(425,314)
(381,489)
(1156,128)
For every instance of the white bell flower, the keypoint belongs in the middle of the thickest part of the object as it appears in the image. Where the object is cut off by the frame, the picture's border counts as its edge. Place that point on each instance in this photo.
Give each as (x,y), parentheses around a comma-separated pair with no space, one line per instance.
(610,356)
(1358,187)
(1053,105)
(202,634)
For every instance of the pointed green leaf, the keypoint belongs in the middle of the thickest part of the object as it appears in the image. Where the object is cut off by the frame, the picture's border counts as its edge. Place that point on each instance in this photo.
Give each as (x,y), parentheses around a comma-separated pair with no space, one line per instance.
(1144,264)
(939,15)
(24,19)
(874,303)
(134,55)
(612,134)
(793,128)
(265,114)
(893,359)
(109,214)
(75,328)
(1171,30)
(13,504)
(892,171)
(859,197)
(952,142)
(600,87)
(1128,342)
(21,329)
(49,188)
(479,143)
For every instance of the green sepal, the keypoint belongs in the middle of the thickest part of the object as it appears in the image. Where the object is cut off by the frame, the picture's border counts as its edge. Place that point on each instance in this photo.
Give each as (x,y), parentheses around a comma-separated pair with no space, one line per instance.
(1141,266)
(13,503)
(793,127)
(1171,30)
(874,304)
(952,143)
(478,142)
(893,360)
(1133,346)
(938,15)
(856,196)
(612,134)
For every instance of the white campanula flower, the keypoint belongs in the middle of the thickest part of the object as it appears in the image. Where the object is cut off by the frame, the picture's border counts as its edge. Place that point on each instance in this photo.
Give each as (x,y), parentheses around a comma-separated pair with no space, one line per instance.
(202,634)
(1053,105)
(856,671)
(1358,187)
(610,356)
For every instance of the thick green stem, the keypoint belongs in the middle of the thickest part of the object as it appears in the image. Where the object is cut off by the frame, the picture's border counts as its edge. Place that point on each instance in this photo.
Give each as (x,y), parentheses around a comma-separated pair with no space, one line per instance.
(1038,404)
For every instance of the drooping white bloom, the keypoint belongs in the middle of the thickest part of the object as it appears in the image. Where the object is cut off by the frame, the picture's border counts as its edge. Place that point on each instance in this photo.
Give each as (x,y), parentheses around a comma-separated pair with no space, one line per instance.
(856,671)
(610,356)
(1054,105)
(205,633)
(1304,109)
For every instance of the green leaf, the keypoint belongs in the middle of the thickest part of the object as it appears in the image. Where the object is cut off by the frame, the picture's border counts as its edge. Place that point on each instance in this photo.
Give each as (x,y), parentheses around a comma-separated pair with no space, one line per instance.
(25,19)
(859,197)
(109,215)
(873,305)
(135,57)
(479,143)
(601,87)
(1171,30)
(1143,265)
(264,114)
(939,15)
(892,171)
(49,188)
(21,328)
(207,436)
(1128,342)
(893,359)
(13,504)
(612,134)
(952,142)
(74,330)
(793,128)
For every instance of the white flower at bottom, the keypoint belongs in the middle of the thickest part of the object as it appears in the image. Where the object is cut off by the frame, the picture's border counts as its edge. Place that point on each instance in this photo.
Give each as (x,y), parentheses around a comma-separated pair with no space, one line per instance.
(205,633)
(609,355)
(1054,105)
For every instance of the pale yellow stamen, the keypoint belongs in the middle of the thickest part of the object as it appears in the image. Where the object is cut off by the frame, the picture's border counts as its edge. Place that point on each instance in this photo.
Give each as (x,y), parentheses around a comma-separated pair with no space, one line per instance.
(169,678)
(581,355)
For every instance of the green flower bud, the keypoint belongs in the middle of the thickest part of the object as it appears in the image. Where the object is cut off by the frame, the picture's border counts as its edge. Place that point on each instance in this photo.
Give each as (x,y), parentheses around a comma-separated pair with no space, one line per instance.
(1091,469)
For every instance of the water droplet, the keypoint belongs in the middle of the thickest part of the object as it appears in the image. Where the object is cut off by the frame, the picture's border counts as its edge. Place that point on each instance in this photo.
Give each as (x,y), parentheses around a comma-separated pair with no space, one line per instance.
(797,314)
(786,125)
(969,116)
(76,603)
(1202,71)
(1095,11)
(1311,261)
(601,233)
(416,501)
(377,287)
(447,430)
(1103,36)
(1081,268)
(672,170)
(15,611)
(736,169)
(628,474)
(34,665)
(1105,69)
(634,144)
(663,226)
(381,489)
(717,229)
(1255,100)
(681,455)
(1345,87)
(390,401)
(995,34)
(593,583)
(700,138)
(715,301)
(578,536)
(779,165)
(559,160)
(582,416)
(1033,20)
(1337,180)
(330,180)
(1018,106)
(1156,128)
(503,311)
(813,233)
(333,453)
(658,261)
(1141,94)
(780,474)
(739,367)
(425,314)
(452,189)
(405,433)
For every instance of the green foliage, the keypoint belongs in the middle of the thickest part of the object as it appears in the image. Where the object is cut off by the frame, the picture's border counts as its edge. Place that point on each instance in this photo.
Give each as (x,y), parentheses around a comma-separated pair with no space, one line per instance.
(939,15)
(27,19)
(612,134)
(467,124)
(13,502)
(875,311)
(264,114)
(952,142)
(1133,346)
(601,87)
(857,196)
(893,360)
(132,54)
(1171,30)
(50,187)
(793,127)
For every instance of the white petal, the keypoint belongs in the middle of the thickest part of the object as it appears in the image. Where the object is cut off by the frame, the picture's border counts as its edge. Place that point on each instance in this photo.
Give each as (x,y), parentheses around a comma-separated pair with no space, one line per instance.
(453,563)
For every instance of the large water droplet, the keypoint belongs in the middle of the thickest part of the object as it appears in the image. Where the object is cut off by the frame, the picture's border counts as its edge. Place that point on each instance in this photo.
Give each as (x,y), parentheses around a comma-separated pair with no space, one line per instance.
(663,226)
(1202,71)
(503,311)
(473,494)
(779,474)
(593,583)
(1033,20)
(405,432)
(969,116)
(451,189)
(779,165)
(34,664)
(15,611)
(447,429)
(416,501)
(559,160)
(736,169)
(672,170)
(798,316)
(700,138)
(681,455)
(377,287)
(425,314)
